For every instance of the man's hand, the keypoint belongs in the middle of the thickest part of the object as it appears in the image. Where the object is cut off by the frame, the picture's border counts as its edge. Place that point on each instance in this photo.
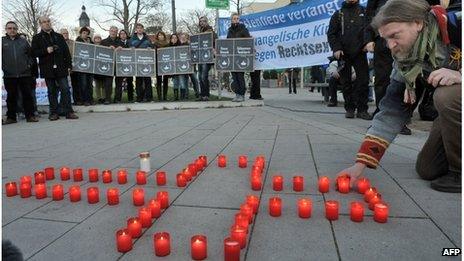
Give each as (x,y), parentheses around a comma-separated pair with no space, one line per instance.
(50,49)
(369,47)
(112,47)
(444,77)
(119,48)
(354,171)
(338,54)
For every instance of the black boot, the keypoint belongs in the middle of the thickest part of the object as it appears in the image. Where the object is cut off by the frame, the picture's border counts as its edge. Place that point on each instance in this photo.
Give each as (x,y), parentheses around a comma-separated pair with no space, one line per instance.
(176,94)
(451,183)
(183,94)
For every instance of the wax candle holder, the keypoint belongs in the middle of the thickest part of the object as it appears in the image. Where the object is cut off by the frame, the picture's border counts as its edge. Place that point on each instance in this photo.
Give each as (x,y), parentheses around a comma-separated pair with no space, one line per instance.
(39,177)
(49,173)
(145,217)
(161,178)
(222,161)
(256,183)
(193,169)
(141,177)
(93,195)
(277,183)
(275,207)
(356,211)
(239,234)
(381,213)
(187,174)
(40,191)
(155,208)
(123,241)
(163,197)
(242,161)
(199,247)
(11,189)
(57,192)
(241,219)
(112,195)
(145,161)
(298,183)
(370,192)
(77,175)
(180,180)
(134,227)
(162,243)
(204,161)
(93,175)
(253,201)
(248,211)
(122,176)
(304,208)
(25,190)
(74,193)
(343,185)
(377,198)
(324,184)
(107,177)
(65,173)
(231,249)
(138,197)
(25,179)
(331,210)
(363,185)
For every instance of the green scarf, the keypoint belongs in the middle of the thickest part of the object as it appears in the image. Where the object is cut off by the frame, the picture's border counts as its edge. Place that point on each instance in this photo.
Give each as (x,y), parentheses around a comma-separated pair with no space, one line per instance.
(411,66)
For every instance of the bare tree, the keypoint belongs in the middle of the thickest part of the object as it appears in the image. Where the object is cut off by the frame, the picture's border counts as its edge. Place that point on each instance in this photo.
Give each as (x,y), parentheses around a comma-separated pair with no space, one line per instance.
(240,5)
(26,13)
(189,20)
(158,19)
(125,12)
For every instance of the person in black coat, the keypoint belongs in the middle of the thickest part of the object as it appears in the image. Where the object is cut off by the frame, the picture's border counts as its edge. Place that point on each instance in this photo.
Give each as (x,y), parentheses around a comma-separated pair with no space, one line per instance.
(123,37)
(55,65)
(114,42)
(85,80)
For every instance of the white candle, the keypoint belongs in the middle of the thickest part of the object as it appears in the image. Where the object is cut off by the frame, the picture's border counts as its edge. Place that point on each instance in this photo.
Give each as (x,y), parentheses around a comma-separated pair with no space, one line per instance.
(145,161)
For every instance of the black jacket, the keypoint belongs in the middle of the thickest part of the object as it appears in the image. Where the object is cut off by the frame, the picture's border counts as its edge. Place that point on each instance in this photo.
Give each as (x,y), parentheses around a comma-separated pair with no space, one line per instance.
(80,39)
(111,42)
(16,57)
(238,31)
(60,57)
(348,37)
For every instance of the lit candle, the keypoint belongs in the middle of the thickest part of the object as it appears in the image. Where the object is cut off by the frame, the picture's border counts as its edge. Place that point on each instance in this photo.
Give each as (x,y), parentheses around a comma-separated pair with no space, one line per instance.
(162,243)
(112,195)
(49,173)
(187,174)
(248,211)
(107,177)
(370,192)
(239,234)
(93,175)
(123,241)
(93,195)
(155,208)
(163,198)
(25,190)
(298,183)
(331,210)
(181,181)
(145,161)
(25,179)
(75,193)
(77,175)
(39,177)
(257,169)
(253,201)
(65,173)
(343,185)
(304,208)
(204,161)
(275,206)
(193,169)
(222,161)
(199,164)
(231,250)
(256,183)
(145,217)
(324,184)
(141,177)
(260,160)
(57,192)
(199,246)
(138,197)
(40,191)
(241,219)
(242,161)
(11,189)
(380,213)
(122,176)
(161,178)
(277,183)
(377,198)
(357,211)
(363,185)
(134,227)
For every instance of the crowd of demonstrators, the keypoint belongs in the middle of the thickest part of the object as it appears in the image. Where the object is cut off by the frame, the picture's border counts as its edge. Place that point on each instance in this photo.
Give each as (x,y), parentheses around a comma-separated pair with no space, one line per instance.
(161,81)
(123,81)
(143,87)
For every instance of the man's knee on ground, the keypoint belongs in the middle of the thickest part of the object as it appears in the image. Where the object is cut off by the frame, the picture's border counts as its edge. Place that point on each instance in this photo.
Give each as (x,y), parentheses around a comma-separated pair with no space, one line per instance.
(425,169)
(446,97)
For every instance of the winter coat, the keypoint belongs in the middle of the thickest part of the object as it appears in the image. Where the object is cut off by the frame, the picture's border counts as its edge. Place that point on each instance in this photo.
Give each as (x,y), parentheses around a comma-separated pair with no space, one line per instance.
(57,63)
(137,43)
(238,31)
(16,57)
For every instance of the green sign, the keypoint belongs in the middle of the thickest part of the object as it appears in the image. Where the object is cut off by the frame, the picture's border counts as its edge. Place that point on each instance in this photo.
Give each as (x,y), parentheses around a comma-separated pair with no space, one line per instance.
(218,4)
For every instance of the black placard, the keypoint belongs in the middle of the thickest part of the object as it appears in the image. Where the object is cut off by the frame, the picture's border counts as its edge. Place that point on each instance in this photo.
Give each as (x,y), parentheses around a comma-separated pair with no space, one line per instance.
(201,46)
(174,60)
(94,59)
(125,62)
(235,55)
(135,62)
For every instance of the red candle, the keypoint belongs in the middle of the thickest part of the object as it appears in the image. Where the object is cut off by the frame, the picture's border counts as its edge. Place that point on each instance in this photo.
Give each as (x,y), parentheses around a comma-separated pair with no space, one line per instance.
(199,246)
(187,174)
(75,193)
(363,185)
(134,227)
(181,181)
(222,161)
(93,175)
(77,175)
(257,169)
(107,176)
(324,184)
(40,191)
(277,183)
(163,198)
(25,179)
(193,169)
(239,234)
(242,161)
(256,183)
(155,208)
(162,243)
(11,189)
(161,178)
(248,211)
(49,173)
(39,177)
(231,250)
(241,219)
(57,192)
(123,240)
(370,192)
(343,185)
(141,177)
(122,176)
(357,211)
(204,160)
(275,206)
(199,164)
(25,190)
(112,194)
(253,201)
(145,217)
(93,195)
(138,197)
(65,173)
(298,183)
(304,208)
(377,198)
(331,210)
(380,213)
(343,176)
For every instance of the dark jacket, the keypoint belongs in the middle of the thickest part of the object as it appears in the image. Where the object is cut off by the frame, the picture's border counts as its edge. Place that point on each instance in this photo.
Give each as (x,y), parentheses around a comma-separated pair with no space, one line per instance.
(137,43)
(125,44)
(238,31)
(372,8)
(208,28)
(80,39)
(116,42)
(16,57)
(60,58)
(348,37)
